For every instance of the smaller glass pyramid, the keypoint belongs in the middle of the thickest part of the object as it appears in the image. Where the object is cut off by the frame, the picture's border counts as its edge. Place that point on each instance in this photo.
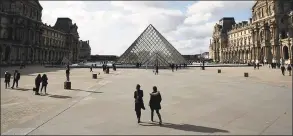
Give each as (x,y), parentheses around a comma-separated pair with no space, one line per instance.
(151,48)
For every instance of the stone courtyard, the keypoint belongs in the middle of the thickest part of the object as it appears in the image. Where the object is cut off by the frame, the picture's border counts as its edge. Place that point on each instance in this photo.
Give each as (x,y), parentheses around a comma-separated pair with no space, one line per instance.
(194,102)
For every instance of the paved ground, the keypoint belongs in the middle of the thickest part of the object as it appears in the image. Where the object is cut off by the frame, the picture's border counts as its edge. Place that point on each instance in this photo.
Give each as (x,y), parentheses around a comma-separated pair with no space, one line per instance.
(194,102)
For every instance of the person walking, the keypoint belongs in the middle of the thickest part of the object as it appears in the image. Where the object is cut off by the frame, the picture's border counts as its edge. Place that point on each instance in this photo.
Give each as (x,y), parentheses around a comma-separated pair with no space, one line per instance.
(38,81)
(44,83)
(91,68)
(67,74)
(283,70)
(156,70)
(155,104)
(16,78)
(289,69)
(7,77)
(138,97)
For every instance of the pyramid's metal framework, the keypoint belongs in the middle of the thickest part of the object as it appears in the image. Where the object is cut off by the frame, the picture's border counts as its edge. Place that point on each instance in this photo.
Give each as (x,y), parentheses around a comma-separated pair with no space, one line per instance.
(151,48)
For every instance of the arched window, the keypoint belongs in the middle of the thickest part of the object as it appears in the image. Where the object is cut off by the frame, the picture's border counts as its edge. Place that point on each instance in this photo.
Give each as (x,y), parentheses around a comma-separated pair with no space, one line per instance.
(283,34)
(254,16)
(282,20)
(1,8)
(13,7)
(286,52)
(37,15)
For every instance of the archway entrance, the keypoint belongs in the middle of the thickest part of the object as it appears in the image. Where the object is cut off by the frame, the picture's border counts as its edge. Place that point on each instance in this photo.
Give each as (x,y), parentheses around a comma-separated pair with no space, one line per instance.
(285,53)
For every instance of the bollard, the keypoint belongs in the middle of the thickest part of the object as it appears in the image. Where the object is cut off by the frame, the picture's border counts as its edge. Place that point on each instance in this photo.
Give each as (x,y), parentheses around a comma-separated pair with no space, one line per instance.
(67,85)
(107,70)
(245,74)
(95,76)
(219,71)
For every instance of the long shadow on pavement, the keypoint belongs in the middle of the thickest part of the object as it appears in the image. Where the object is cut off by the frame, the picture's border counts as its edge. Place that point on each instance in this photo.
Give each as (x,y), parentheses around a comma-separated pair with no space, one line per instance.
(85,91)
(60,96)
(187,127)
(21,89)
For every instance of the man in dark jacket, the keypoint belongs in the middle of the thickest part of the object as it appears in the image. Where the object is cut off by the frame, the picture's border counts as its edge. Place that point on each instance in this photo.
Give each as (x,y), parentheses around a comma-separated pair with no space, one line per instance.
(44,83)
(16,78)
(7,77)
(91,68)
(289,69)
(38,81)
(283,70)
(156,69)
(67,73)
(138,95)
(155,103)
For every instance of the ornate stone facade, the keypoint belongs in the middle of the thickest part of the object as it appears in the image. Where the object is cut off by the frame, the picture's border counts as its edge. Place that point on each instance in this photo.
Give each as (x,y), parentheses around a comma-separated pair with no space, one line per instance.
(85,50)
(25,39)
(267,37)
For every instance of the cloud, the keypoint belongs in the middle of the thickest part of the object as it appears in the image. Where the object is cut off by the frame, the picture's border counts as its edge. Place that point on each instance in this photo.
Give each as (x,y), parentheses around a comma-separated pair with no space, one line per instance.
(112,27)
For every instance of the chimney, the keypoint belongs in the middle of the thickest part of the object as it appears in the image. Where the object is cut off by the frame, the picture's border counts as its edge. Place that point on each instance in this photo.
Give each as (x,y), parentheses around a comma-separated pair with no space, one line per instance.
(250,20)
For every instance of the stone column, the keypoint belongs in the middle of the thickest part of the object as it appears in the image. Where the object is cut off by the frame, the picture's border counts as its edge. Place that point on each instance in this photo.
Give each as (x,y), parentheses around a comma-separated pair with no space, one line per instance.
(239,55)
(291,51)
(278,52)
(40,55)
(36,55)
(243,55)
(46,55)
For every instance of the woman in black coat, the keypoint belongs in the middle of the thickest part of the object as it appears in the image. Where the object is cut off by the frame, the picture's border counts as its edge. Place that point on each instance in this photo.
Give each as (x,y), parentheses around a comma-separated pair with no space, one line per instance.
(44,83)
(138,94)
(38,81)
(155,103)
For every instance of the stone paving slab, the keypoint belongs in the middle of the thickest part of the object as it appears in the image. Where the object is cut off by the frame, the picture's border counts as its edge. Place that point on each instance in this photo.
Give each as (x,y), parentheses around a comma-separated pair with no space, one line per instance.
(194,102)
(19,106)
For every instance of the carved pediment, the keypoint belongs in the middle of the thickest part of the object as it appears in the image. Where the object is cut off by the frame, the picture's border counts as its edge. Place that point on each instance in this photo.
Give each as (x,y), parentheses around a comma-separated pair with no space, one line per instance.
(255,3)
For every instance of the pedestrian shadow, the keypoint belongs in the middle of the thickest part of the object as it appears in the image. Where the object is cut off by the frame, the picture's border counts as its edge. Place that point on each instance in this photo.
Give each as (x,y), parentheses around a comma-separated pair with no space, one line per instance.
(41,94)
(85,91)
(187,127)
(60,96)
(21,89)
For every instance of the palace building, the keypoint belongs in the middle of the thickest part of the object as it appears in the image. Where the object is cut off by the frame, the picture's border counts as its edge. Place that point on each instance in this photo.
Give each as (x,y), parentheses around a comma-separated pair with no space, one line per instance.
(266,37)
(24,38)
(85,50)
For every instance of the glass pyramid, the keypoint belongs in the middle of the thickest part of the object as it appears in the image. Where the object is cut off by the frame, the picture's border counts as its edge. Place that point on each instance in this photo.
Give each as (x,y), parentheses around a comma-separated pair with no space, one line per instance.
(151,48)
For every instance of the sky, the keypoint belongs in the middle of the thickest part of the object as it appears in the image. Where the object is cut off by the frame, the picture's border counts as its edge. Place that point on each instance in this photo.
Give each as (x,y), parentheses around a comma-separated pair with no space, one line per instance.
(112,26)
